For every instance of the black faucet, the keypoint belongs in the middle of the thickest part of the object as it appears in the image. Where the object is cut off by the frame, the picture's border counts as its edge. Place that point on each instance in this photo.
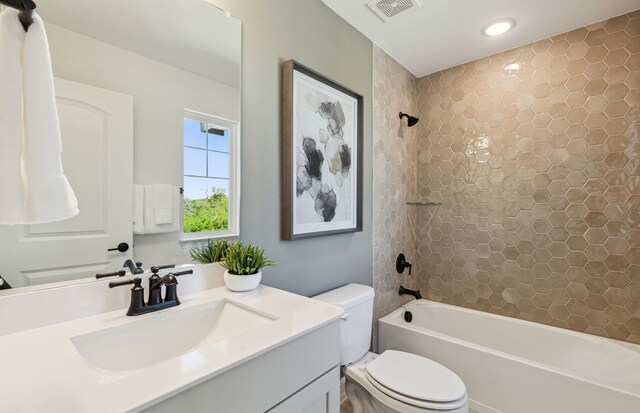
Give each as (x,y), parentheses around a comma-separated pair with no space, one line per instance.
(406,291)
(137,305)
(155,291)
(135,268)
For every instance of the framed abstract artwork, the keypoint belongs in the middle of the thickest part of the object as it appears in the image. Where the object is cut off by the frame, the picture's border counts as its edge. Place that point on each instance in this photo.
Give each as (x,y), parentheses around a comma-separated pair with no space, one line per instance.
(321,155)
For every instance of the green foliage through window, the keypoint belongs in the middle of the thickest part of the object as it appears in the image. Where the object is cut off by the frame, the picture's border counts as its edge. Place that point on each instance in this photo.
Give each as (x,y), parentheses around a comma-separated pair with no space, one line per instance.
(208,214)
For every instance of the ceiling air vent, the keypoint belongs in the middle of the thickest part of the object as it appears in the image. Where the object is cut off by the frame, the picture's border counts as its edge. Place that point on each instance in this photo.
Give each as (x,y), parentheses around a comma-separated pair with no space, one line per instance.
(386,9)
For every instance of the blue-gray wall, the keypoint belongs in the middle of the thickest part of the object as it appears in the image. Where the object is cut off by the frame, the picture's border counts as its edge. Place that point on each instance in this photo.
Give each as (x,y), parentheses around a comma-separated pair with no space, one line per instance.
(274,31)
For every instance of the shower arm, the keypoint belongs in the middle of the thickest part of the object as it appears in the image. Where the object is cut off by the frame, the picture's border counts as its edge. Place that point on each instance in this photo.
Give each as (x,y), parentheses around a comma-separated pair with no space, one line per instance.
(411,120)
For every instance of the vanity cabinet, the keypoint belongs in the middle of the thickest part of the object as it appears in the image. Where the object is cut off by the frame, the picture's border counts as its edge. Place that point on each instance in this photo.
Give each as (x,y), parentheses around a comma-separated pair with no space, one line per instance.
(299,376)
(321,396)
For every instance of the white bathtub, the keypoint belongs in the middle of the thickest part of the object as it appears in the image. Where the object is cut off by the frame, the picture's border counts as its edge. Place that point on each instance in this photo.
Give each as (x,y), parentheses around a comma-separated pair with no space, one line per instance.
(516,366)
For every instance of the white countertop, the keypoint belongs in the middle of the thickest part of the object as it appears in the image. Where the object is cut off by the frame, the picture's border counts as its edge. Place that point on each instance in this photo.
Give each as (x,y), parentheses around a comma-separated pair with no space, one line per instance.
(41,370)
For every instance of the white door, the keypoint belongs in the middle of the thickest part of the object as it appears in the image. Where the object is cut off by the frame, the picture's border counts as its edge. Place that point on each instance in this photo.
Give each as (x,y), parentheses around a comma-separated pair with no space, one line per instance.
(97,141)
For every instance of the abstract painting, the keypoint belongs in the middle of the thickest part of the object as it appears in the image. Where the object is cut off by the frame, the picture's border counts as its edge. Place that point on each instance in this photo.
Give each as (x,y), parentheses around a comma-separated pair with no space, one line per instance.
(322,155)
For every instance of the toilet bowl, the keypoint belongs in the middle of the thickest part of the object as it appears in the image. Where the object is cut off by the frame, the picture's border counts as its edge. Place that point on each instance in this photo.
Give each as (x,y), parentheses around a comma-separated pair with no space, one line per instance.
(394,381)
(430,388)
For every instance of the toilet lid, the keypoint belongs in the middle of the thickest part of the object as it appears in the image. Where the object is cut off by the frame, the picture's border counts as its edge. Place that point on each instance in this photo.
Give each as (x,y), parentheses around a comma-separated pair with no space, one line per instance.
(416,377)
(415,402)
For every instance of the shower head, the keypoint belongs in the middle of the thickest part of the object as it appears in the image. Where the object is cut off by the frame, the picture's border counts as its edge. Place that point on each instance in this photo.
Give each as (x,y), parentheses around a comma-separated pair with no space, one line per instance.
(412,120)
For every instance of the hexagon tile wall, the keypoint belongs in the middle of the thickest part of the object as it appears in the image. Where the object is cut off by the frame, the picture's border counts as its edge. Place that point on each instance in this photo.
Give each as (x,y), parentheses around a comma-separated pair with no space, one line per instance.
(394,181)
(535,154)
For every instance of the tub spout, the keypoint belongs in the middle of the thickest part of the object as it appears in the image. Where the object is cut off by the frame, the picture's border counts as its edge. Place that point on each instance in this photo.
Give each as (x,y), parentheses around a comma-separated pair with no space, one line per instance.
(405,291)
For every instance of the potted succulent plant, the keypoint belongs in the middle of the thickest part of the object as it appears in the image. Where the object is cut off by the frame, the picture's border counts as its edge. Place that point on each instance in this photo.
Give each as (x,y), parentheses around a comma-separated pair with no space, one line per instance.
(212,251)
(243,264)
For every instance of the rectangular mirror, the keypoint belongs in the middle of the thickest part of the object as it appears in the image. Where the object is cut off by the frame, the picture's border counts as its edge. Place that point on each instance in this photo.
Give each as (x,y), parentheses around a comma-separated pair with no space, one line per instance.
(148,95)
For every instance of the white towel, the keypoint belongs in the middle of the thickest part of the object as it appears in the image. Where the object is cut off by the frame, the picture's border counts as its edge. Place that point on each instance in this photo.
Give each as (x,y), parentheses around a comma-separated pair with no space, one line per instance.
(161,209)
(138,209)
(163,204)
(46,195)
(11,183)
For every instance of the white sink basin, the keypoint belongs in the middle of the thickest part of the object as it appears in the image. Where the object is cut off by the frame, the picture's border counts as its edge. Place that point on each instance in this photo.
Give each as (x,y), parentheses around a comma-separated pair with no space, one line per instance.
(163,336)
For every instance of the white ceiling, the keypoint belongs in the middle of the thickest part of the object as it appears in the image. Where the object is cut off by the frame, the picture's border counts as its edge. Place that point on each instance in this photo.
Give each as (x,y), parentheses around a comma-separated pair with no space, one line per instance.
(446,33)
(193,35)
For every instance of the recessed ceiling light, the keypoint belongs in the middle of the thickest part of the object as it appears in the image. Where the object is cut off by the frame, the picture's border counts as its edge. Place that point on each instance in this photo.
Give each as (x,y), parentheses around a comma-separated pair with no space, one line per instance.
(498,28)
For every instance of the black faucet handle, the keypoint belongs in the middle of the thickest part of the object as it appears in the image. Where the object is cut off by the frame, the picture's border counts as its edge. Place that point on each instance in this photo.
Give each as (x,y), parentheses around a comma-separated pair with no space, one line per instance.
(156,268)
(120,273)
(171,283)
(170,277)
(136,281)
(138,269)
(136,306)
(155,284)
(177,274)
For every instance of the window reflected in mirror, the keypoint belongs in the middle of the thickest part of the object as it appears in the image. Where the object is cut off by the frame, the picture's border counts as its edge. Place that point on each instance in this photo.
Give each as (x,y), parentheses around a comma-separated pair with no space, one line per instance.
(209,207)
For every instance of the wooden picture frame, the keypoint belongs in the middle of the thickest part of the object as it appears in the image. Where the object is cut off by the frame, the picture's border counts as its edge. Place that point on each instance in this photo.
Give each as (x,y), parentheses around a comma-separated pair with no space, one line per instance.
(322,143)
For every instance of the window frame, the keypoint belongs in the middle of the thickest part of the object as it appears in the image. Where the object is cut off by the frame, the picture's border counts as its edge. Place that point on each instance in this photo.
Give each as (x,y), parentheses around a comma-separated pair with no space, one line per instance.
(233,230)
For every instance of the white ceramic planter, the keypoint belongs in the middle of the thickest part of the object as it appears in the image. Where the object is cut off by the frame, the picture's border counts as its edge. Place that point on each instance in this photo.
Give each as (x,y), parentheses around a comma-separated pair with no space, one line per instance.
(242,282)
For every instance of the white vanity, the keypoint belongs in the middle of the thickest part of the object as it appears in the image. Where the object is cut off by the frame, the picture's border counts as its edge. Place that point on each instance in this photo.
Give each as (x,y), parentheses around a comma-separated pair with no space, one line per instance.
(219,351)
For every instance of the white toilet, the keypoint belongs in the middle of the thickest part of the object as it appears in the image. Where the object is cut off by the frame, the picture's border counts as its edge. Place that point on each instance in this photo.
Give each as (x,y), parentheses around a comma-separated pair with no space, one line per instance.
(394,381)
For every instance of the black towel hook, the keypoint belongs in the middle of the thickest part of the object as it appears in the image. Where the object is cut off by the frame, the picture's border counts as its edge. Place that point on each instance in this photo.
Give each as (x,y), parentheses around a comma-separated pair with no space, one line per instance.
(26,8)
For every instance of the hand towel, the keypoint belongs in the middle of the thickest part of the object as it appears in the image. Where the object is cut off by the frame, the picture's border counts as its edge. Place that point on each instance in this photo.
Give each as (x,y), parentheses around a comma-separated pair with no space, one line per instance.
(138,209)
(162,200)
(32,183)
(163,204)
(48,195)
(11,183)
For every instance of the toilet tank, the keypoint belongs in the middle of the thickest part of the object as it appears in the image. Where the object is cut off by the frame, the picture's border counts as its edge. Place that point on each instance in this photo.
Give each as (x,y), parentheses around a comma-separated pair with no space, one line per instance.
(355,326)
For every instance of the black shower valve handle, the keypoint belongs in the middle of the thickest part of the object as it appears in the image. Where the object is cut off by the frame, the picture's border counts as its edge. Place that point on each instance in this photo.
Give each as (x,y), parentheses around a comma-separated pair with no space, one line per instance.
(402,264)
(409,266)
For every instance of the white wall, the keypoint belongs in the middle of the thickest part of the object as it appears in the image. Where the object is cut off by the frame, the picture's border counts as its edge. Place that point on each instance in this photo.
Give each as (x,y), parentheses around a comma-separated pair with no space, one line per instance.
(160,94)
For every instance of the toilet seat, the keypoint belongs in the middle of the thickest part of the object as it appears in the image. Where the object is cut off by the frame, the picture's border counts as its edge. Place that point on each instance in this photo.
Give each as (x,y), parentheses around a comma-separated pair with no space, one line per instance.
(416,381)
(423,404)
